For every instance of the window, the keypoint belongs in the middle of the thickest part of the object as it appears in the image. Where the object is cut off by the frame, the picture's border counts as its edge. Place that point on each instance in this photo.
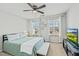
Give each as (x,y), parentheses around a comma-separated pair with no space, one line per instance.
(53,26)
(35,24)
(53,23)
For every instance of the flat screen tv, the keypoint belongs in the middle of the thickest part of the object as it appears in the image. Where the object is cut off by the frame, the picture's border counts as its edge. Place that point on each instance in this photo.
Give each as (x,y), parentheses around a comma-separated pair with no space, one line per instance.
(72,35)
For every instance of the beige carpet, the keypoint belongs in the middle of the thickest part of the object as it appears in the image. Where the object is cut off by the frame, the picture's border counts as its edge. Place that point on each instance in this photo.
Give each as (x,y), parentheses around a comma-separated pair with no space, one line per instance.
(55,49)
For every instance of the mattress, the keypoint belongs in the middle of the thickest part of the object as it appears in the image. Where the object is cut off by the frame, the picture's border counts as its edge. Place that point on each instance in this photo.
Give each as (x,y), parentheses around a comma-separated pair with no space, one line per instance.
(13,47)
(35,44)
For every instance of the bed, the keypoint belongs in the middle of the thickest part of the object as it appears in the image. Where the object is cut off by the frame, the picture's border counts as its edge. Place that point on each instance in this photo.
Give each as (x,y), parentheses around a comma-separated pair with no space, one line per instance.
(24,46)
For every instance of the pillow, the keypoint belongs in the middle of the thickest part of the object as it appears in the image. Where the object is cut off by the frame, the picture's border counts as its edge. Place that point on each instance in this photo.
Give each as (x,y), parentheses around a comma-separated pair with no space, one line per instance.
(22,34)
(13,37)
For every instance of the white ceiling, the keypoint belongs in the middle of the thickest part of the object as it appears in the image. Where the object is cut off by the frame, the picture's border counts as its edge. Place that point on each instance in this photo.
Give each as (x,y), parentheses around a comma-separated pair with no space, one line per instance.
(17,9)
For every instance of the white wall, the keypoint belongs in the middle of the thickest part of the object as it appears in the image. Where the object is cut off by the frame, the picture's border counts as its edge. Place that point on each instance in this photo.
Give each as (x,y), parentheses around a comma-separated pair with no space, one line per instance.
(11,24)
(73,16)
(63,27)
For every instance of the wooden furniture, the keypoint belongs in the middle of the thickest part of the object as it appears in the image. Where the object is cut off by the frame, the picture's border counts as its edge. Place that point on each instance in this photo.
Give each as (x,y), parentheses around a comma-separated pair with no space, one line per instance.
(70,48)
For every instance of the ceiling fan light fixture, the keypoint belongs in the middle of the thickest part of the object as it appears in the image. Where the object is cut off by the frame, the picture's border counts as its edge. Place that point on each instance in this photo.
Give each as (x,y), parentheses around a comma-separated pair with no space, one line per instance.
(35,8)
(34,11)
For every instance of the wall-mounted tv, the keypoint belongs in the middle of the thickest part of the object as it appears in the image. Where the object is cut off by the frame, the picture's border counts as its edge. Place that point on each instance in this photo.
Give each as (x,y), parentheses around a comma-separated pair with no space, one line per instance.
(72,35)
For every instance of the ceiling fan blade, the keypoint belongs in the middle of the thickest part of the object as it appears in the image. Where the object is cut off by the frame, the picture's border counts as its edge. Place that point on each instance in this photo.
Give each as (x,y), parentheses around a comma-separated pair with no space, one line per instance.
(30,5)
(41,6)
(27,10)
(40,12)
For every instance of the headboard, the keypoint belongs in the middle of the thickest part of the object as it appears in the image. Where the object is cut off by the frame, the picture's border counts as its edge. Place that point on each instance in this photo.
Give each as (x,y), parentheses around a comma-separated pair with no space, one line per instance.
(5,37)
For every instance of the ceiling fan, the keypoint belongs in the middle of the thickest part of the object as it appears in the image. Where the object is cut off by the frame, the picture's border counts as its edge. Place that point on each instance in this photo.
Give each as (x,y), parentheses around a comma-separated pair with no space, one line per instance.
(36,8)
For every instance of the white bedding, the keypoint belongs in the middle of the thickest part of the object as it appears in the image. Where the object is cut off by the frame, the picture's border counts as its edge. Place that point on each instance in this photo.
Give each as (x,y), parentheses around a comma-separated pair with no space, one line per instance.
(44,49)
(29,45)
(12,37)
